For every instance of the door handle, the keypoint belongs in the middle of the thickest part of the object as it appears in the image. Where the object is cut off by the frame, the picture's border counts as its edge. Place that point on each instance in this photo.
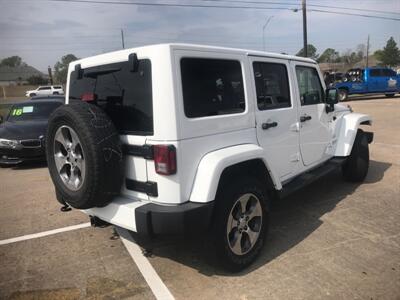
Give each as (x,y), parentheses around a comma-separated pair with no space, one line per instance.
(305,118)
(266,126)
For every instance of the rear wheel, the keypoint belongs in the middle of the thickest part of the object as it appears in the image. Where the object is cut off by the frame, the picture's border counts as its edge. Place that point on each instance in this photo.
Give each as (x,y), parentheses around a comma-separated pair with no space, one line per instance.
(56,93)
(240,223)
(355,168)
(390,95)
(343,95)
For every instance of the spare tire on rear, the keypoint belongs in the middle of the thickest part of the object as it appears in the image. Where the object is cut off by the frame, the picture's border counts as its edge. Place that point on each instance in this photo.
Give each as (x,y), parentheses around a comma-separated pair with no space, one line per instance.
(84,155)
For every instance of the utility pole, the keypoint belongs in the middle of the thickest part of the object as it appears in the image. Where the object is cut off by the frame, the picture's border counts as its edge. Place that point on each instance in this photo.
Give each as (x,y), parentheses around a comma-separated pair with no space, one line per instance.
(367,51)
(50,75)
(122,39)
(303,4)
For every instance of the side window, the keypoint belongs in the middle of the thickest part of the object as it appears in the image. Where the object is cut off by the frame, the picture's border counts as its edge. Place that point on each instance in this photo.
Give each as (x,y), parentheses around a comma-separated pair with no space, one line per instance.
(44,88)
(310,87)
(212,87)
(272,85)
(388,73)
(375,72)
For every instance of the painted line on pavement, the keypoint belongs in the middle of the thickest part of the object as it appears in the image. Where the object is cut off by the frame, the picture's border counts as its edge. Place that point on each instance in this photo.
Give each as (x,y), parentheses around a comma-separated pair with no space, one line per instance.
(44,233)
(157,286)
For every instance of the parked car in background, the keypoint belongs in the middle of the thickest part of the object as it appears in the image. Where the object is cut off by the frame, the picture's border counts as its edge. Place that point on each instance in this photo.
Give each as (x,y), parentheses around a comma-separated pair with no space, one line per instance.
(369,81)
(46,90)
(23,130)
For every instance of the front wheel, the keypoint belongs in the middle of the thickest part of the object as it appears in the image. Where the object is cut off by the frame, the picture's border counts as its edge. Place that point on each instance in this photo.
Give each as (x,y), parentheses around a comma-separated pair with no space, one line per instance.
(32,95)
(343,95)
(390,95)
(355,168)
(240,223)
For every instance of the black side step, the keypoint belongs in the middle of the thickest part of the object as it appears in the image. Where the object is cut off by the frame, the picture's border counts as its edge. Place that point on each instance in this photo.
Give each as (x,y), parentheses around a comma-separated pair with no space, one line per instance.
(310,176)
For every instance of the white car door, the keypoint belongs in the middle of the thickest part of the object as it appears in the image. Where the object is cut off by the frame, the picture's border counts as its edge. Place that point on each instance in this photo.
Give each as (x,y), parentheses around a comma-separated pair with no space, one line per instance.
(315,133)
(276,114)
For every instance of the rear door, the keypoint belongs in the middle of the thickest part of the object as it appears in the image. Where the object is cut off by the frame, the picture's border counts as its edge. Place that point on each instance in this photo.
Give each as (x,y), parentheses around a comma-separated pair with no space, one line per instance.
(126,97)
(315,133)
(276,114)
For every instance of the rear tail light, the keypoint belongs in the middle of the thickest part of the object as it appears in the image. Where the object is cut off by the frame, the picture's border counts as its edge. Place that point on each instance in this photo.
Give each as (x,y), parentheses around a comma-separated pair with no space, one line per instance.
(165,159)
(89,97)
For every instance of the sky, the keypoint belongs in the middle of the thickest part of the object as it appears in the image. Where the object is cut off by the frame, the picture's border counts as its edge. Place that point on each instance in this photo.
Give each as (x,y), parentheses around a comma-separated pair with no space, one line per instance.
(42,31)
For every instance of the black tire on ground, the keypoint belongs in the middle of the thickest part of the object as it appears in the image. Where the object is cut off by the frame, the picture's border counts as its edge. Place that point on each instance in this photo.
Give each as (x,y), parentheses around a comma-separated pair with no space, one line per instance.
(100,151)
(32,95)
(228,194)
(355,168)
(390,95)
(56,93)
(343,95)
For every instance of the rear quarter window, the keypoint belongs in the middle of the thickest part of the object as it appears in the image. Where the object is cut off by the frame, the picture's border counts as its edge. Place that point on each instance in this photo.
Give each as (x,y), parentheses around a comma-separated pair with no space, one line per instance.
(212,87)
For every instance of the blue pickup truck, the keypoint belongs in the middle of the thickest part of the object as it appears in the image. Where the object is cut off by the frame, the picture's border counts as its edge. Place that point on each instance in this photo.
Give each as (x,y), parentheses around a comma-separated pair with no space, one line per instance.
(370,81)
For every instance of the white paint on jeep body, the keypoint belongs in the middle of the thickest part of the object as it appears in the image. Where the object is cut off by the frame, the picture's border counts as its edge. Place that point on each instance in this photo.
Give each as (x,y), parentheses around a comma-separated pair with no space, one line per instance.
(347,132)
(206,146)
(213,164)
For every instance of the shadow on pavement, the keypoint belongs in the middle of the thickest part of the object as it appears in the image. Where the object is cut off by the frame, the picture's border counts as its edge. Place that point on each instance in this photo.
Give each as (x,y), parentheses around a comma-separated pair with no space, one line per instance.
(293,219)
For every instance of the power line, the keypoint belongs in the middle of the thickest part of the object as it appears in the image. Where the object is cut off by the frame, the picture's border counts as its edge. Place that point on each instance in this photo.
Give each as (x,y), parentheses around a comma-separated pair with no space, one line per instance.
(218,6)
(311,5)
(353,14)
(171,4)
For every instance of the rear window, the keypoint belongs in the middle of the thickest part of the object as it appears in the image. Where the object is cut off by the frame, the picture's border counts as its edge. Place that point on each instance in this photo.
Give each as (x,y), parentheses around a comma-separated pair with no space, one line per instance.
(125,96)
(212,87)
(57,87)
(34,111)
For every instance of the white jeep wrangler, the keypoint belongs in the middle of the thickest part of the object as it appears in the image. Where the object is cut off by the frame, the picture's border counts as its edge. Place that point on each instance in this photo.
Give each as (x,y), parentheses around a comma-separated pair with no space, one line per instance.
(180,139)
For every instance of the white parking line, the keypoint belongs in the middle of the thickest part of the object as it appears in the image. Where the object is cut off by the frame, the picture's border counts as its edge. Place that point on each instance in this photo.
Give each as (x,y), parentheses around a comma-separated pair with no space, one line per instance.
(157,286)
(44,233)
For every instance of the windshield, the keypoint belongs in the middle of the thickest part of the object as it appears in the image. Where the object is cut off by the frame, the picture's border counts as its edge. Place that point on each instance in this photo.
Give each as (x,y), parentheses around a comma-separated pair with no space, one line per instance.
(34,111)
(125,95)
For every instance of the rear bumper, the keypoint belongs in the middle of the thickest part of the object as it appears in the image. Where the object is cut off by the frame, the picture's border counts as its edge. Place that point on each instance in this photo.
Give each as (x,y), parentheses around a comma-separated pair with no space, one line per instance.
(150,219)
(184,219)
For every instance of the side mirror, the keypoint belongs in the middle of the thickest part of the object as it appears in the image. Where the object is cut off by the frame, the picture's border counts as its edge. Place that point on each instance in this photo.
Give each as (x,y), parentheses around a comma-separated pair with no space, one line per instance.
(332,98)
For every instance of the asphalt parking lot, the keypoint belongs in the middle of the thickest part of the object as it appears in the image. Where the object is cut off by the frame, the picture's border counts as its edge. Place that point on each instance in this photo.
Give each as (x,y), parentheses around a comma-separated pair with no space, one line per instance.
(332,240)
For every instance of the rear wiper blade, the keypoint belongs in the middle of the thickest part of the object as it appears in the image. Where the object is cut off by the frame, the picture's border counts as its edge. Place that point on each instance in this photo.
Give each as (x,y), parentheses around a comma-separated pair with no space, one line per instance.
(94,74)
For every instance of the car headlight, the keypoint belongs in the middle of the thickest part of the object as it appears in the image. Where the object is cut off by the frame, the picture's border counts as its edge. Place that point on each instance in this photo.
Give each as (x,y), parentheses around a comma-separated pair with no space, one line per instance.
(4,143)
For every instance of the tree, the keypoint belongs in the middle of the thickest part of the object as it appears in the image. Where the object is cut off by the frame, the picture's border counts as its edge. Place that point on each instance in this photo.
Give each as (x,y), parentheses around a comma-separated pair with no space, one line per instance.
(349,57)
(12,61)
(36,80)
(390,55)
(329,55)
(361,51)
(311,52)
(61,67)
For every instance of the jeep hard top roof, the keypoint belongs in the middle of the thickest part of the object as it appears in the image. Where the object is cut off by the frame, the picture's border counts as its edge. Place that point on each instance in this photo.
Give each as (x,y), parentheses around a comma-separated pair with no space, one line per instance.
(94,60)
